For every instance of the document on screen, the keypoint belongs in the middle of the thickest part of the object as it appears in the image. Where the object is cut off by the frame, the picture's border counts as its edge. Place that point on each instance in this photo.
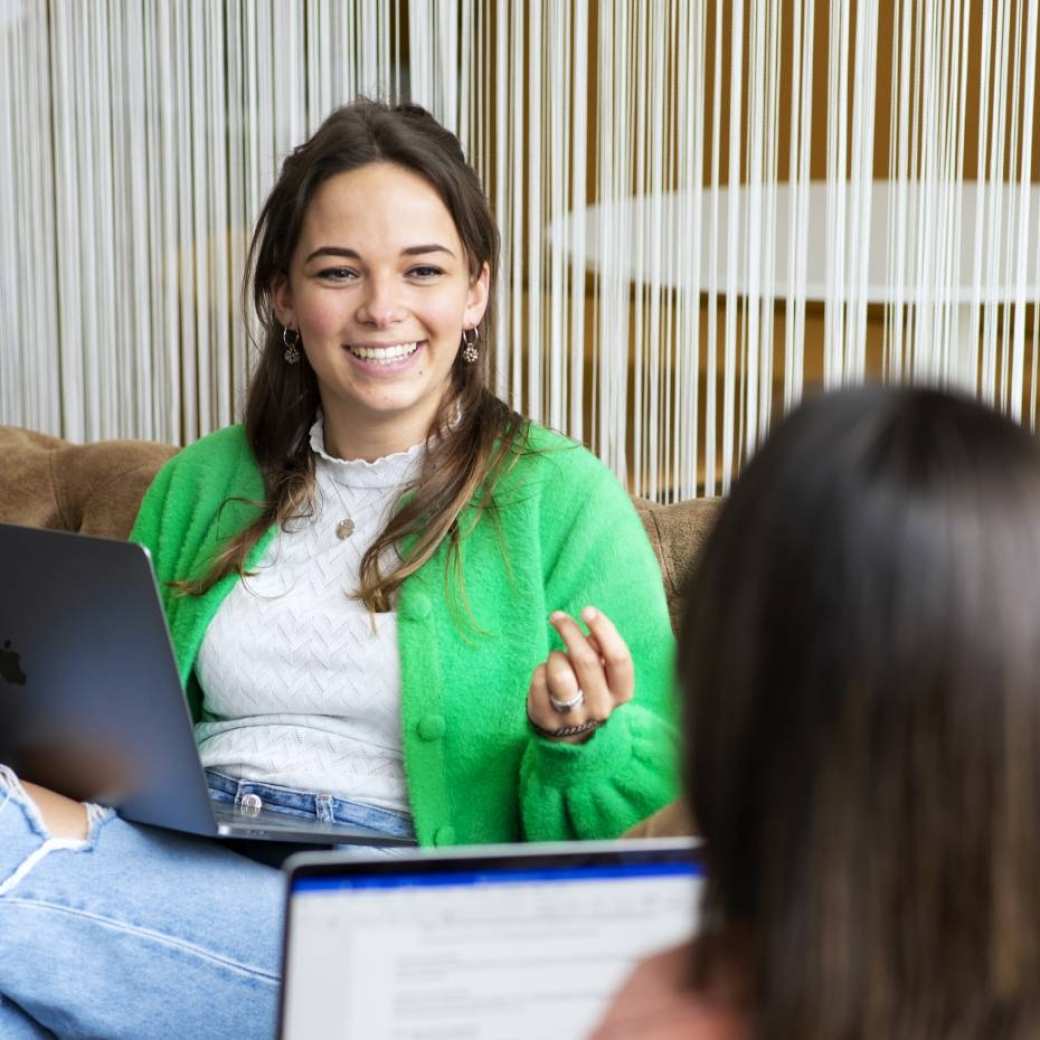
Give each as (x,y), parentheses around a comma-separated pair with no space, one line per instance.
(525,956)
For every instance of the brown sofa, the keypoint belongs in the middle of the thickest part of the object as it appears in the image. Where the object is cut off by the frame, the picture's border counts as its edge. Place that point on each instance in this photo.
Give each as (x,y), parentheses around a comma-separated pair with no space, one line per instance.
(96,489)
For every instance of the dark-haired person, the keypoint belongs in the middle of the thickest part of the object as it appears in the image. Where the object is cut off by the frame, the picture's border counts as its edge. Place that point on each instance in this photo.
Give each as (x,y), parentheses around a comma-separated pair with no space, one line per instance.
(860,653)
(373,588)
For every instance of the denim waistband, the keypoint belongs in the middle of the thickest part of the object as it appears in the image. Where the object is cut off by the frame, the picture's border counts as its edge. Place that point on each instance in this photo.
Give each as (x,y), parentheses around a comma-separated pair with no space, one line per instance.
(308,805)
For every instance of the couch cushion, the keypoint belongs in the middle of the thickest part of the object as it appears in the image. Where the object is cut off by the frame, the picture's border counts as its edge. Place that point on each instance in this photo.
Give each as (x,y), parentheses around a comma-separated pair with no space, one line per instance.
(677,533)
(92,488)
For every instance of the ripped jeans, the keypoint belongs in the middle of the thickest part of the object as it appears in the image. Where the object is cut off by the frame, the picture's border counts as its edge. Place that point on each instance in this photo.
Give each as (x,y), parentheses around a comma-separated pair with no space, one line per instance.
(136,932)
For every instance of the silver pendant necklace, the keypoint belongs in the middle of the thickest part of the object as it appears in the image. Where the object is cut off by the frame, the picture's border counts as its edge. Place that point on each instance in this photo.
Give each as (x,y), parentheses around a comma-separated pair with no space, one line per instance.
(345,527)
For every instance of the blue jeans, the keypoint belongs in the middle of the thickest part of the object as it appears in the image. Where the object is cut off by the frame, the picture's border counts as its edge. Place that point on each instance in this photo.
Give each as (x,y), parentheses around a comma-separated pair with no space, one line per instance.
(307,806)
(138,932)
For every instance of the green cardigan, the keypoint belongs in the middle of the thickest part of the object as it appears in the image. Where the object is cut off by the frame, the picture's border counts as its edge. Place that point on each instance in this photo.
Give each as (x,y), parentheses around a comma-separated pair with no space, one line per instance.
(564,534)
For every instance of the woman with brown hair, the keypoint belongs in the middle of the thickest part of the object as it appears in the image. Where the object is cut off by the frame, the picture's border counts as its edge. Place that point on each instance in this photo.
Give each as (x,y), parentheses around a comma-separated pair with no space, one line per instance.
(409,533)
(860,653)
(372,587)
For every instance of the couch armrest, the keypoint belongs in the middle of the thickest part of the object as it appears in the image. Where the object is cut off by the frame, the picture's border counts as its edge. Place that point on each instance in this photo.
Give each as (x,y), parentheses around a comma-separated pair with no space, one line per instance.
(677,533)
(91,488)
(27,493)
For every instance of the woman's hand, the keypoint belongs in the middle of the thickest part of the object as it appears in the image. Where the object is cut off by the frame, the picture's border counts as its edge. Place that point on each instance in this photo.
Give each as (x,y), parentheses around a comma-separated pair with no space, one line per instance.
(582,686)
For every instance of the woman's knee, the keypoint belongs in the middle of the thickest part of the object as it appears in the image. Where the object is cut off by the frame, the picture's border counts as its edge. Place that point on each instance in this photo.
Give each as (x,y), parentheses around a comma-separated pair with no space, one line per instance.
(34,822)
(63,817)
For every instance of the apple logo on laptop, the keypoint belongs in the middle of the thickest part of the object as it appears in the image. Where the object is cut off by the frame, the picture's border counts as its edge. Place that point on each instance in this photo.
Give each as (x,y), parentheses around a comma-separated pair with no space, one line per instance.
(9,666)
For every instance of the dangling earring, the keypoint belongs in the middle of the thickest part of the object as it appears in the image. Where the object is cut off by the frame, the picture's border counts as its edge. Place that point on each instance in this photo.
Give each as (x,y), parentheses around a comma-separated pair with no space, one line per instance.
(470,353)
(292,349)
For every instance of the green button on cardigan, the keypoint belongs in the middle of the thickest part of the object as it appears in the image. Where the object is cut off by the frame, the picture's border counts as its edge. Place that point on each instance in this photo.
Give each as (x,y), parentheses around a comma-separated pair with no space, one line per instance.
(564,535)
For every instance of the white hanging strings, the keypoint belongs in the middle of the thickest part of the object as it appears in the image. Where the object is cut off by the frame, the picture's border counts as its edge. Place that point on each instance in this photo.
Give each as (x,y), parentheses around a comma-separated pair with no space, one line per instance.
(861,184)
(967,344)
(501,197)
(201,105)
(1008,201)
(612,328)
(837,213)
(924,199)
(29,351)
(533,339)
(654,217)
(691,215)
(767,343)
(578,132)
(995,205)
(902,325)
(798,193)
(733,224)
(658,376)
(517,201)
(638,340)
(756,140)
(1022,214)
(711,368)
(980,224)
(555,172)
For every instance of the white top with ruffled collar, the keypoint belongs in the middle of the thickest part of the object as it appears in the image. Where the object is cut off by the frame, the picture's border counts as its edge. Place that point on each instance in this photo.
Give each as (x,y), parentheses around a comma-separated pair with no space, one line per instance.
(301,684)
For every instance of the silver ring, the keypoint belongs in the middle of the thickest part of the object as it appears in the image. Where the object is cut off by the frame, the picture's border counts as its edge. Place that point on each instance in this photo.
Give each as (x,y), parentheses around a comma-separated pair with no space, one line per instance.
(565,706)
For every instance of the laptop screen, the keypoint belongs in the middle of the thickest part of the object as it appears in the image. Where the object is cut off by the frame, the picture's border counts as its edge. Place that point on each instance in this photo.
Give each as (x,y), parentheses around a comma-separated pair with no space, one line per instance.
(521,941)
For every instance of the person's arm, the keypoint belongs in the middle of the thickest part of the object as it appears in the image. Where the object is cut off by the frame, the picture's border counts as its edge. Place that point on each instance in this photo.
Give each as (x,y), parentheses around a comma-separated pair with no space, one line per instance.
(656,1003)
(597,784)
(153,530)
(673,821)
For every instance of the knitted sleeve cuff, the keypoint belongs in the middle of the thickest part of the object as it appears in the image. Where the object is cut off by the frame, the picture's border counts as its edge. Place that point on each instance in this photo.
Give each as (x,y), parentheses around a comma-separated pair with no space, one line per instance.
(598,789)
(561,764)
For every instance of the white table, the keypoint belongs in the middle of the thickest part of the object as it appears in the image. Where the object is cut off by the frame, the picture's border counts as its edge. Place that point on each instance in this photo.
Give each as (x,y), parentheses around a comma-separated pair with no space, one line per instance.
(886,281)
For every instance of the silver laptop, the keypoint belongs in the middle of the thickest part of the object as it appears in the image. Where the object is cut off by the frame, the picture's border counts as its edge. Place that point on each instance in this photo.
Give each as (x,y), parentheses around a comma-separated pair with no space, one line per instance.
(509,942)
(90,698)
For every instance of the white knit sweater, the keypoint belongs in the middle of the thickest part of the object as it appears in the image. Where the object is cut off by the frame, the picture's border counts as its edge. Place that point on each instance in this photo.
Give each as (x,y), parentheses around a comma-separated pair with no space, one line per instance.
(302,685)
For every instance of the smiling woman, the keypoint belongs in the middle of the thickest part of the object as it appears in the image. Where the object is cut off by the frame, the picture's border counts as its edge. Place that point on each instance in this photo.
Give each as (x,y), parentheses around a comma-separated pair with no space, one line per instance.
(380,291)
(373,588)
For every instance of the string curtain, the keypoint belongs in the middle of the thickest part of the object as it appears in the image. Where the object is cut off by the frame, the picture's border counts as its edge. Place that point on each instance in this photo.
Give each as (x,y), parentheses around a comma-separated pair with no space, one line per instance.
(706,208)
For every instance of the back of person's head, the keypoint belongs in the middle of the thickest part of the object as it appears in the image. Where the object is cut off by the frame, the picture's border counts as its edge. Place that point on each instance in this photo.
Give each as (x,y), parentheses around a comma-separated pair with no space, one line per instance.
(861,657)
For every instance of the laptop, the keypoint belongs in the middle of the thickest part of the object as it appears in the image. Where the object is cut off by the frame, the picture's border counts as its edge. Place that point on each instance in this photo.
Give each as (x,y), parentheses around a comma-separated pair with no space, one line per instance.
(508,942)
(91,700)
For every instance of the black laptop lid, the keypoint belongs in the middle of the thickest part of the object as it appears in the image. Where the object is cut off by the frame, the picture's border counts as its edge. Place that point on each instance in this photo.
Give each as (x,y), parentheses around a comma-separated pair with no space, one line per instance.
(89,691)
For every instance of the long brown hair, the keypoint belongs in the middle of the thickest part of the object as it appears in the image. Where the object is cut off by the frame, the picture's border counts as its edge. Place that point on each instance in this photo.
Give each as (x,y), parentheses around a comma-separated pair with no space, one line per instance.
(861,655)
(474,434)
